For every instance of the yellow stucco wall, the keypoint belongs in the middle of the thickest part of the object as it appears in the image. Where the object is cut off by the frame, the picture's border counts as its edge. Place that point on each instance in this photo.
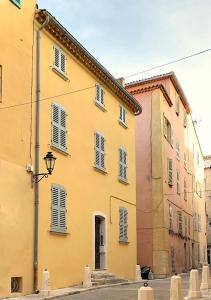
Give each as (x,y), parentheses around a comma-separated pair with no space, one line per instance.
(16,204)
(87,189)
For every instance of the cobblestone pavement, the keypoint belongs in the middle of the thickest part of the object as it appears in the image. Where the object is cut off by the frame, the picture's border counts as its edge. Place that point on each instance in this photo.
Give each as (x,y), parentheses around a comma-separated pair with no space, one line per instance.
(130,292)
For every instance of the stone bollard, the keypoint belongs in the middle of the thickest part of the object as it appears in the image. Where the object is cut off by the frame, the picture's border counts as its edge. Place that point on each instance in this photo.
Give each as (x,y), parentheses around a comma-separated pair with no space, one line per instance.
(138,273)
(87,277)
(194,291)
(176,288)
(205,278)
(145,293)
(46,284)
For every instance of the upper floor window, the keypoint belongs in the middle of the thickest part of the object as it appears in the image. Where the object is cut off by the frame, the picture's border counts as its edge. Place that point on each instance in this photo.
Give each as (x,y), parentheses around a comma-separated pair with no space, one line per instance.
(122,115)
(170,217)
(59,60)
(177,150)
(18,3)
(170,171)
(122,164)
(178,182)
(177,104)
(59,131)
(179,221)
(185,189)
(123,224)
(99,151)
(100,96)
(168,131)
(58,209)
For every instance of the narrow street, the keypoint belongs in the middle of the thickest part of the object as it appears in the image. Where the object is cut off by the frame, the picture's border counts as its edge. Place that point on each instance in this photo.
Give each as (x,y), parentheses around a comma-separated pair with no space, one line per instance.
(130,292)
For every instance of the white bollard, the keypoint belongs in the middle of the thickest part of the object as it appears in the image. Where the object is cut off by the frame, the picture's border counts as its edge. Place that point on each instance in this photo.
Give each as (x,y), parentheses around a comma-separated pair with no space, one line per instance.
(205,278)
(46,284)
(87,277)
(138,273)
(194,291)
(145,293)
(176,288)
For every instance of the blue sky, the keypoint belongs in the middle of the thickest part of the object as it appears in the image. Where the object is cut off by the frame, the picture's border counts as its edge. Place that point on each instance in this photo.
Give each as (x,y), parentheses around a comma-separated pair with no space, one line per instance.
(131,36)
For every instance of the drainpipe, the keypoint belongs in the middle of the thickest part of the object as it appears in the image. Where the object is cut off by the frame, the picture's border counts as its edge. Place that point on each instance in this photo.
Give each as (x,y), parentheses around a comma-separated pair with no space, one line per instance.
(37,153)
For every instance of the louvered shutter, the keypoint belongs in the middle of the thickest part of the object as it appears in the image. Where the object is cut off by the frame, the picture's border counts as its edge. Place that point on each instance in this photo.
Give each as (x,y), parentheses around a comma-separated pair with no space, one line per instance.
(122,164)
(100,95)
(63,62)
(62,216)
(123,224)
(59,131)
(99,151)
(58,209)
(55,208)
(55,125)
(56,57)
(170,172)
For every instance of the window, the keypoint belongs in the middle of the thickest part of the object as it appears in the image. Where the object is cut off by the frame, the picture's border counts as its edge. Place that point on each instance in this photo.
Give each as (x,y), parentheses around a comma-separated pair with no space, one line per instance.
(170,171)
(59,60)
(177,150)
(186,225)
(170,217)
(179,221)
(59,132)
(178,182)
(168,131)
(58,209)
(185,160)
(99,151)
(123,226)
(185,189)
(122,114)
(177,104)
(199,222)
(122,164)
(18,3)
(100,95)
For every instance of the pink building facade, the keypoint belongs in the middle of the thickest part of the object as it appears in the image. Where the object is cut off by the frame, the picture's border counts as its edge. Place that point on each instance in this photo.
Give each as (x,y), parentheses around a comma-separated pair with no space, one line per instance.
(169,164)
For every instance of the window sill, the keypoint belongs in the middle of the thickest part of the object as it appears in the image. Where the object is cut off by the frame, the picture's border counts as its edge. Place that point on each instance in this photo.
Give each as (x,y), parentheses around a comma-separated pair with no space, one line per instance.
(102,171)
(124,181)
(59,150)
(124,125)
(100,106)
(63,76)
(55,232)
(124,242)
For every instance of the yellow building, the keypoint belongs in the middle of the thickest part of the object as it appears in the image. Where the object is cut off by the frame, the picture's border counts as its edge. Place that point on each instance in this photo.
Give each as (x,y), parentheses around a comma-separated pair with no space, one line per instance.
(85,212)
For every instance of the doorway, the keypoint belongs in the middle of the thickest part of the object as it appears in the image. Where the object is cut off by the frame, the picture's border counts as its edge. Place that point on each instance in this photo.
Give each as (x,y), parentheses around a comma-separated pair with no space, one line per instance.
(99,242)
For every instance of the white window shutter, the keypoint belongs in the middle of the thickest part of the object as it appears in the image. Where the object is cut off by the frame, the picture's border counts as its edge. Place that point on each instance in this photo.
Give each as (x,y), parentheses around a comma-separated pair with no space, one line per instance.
(122,164)
(55,125)
(123,224)
(170,171)
(55,208)
(56,57)
(99,151)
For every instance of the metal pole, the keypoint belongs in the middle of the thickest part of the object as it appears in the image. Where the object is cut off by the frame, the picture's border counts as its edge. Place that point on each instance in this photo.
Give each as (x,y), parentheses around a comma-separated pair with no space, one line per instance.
(37,154)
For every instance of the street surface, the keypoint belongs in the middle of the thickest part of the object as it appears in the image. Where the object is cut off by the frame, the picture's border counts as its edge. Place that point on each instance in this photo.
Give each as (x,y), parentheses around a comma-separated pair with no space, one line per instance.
(130,292)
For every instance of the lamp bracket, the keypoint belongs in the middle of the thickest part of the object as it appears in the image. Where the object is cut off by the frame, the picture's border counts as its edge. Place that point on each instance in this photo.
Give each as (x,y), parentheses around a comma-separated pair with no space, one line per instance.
(36,178)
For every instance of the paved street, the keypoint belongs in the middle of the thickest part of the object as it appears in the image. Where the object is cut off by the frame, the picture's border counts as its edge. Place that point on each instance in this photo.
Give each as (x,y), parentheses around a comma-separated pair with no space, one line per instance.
(129,292)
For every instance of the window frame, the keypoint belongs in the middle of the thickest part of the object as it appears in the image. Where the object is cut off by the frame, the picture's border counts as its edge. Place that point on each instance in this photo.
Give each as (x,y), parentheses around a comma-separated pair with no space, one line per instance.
(60,53)
(123,164)
(122,112)
(58,228)
(60,128)
(100,96)
(100,151)
(123,225)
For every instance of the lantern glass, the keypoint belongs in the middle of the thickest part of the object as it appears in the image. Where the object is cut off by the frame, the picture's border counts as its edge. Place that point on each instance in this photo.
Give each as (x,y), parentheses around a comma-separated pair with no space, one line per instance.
(50,162)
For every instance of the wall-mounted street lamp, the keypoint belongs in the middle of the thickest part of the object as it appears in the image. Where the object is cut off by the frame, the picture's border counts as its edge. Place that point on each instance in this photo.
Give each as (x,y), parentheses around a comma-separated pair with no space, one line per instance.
(49,162)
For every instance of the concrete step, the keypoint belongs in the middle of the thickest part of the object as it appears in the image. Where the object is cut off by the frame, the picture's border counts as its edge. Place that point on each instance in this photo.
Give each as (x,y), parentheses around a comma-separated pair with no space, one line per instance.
(103,277)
